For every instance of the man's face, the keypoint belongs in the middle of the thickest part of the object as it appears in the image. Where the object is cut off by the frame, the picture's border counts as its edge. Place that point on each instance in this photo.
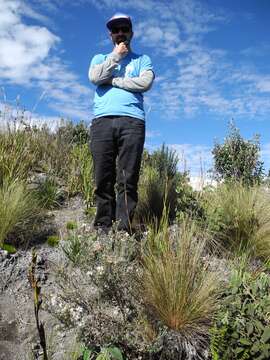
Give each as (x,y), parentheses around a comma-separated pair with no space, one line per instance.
(121,33)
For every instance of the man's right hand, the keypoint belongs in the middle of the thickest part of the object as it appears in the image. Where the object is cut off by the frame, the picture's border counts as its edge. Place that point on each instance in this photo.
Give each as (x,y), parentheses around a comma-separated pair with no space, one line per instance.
(121,49)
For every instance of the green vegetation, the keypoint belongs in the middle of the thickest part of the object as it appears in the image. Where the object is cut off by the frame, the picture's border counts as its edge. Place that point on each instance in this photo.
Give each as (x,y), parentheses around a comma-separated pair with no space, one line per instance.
(176,285)
(49,194)
(71,225)
(53,240)
(165,284)
(239,218)
(157,185)
(17,208)
(80,178)
(237,159)
(242,326)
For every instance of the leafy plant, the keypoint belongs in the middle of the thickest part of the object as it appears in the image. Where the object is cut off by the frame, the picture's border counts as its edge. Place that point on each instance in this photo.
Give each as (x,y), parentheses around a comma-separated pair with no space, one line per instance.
(106,353)
(73,247)
(238,159)
(242,326)
(188,200)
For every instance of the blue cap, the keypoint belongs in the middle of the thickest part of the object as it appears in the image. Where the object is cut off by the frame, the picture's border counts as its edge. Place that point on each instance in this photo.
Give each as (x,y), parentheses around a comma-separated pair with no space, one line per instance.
(119,18)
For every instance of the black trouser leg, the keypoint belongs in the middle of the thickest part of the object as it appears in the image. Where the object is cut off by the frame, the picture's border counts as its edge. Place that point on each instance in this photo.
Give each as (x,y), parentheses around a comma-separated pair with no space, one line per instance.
(130,147)
(104,154)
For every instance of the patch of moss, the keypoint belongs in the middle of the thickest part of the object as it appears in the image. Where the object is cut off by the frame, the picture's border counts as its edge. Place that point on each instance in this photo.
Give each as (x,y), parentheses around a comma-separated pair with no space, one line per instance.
(71,225)
(91,211)
(53,240)
(9,248)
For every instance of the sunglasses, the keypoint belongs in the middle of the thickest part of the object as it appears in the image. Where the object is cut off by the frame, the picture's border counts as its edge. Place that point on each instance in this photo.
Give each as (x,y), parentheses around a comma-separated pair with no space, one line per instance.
(124,29)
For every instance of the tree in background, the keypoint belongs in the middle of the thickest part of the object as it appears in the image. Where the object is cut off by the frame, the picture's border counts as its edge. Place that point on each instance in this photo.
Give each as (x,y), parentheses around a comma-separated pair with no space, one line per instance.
(238,159)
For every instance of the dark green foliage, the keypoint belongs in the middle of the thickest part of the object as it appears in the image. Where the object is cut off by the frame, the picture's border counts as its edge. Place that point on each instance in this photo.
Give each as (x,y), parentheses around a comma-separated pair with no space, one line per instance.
(74,134)
(157,185)
(242,328)
(165,161)
(188,200)
(238,159)
(161,184)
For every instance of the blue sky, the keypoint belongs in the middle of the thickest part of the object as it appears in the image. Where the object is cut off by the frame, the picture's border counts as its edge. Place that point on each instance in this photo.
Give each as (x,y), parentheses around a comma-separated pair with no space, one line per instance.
(211,59)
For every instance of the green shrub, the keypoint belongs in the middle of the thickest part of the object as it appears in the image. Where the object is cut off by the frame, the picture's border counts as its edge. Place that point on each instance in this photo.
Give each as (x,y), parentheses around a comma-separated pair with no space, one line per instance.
(74,133)
(188,200)
(239,218)
(237,159)
(242,327)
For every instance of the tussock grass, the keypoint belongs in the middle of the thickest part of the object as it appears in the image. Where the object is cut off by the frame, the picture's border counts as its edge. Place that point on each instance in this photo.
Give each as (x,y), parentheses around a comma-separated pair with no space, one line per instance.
(178,289)
(17,206)
(17,154)
(155,189)
(80,175)
(239,217)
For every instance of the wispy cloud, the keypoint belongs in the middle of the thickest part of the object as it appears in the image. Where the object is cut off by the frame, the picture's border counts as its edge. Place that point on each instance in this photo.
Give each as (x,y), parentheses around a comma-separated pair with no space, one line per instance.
(29,56)
(192,77)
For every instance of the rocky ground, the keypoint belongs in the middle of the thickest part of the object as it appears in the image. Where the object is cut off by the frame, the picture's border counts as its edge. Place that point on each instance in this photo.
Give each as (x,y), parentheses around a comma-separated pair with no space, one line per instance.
(18,332)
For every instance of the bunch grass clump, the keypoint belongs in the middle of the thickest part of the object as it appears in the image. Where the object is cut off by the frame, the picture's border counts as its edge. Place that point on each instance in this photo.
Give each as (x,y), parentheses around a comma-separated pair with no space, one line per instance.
(178,288)
(17,207)
(81,176)
(17,154)
(239,218)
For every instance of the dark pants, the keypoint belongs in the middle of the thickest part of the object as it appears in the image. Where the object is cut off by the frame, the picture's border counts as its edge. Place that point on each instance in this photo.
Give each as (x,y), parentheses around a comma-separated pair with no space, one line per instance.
(116,144)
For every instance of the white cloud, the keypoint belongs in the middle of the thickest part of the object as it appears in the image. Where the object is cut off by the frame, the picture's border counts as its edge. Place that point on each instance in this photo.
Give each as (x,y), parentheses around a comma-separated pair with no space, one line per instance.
(29,57)
(23,48)
(200,78)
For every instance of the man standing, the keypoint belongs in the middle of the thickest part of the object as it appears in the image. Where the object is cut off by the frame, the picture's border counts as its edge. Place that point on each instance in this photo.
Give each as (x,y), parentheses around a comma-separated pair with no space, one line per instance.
(118,129)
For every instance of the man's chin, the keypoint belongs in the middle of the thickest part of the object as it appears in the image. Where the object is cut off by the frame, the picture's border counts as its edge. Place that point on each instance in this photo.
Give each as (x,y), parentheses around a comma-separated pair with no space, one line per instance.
(120,40)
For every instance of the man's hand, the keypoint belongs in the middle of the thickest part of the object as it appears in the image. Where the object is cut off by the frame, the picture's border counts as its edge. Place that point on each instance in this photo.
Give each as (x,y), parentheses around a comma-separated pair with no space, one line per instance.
(121,49)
